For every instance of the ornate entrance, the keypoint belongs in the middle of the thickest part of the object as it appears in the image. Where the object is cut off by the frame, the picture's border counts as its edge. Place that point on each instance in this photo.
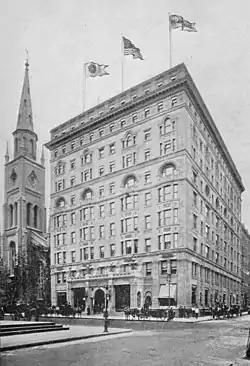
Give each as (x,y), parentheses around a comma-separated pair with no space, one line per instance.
(99,301)
(122,297)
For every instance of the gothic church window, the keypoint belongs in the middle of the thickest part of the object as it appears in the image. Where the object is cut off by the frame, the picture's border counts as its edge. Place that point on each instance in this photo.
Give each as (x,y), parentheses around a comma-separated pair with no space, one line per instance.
(28,214)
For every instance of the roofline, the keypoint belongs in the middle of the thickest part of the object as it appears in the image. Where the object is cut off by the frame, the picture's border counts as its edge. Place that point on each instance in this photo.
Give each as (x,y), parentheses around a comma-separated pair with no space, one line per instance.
(189,86)
(117,96)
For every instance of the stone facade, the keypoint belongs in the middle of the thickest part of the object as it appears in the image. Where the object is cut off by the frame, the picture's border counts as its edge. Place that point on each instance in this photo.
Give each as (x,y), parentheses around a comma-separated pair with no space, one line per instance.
(245,284)
(24,208)
(145,202)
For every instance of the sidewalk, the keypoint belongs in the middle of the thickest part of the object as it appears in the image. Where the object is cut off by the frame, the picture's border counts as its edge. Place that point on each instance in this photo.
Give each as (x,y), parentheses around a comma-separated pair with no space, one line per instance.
(122,317)
(76,332)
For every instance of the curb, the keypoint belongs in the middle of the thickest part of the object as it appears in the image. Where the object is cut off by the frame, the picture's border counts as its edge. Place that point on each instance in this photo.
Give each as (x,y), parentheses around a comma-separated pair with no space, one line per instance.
(54,341)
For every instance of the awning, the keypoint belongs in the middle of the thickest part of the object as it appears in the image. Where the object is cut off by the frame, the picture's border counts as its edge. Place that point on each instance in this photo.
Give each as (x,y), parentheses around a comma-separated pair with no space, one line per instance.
(164,292)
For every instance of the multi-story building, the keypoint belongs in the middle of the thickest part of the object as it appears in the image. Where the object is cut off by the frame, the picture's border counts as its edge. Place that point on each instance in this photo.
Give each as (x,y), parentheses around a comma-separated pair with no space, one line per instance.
(145,201)
(245,267)
(24,193)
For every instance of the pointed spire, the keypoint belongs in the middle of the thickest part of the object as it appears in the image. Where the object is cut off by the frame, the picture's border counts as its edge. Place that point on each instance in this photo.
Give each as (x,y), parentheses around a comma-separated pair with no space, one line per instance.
(25,118)
(42,157)
(6,156)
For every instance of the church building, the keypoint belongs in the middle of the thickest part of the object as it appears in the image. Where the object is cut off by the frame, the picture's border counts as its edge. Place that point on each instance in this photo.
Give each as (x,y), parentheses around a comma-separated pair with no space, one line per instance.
(24,209)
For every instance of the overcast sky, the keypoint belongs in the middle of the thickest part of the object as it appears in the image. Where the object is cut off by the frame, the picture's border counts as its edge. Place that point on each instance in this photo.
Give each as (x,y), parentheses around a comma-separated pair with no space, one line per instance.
(63,34)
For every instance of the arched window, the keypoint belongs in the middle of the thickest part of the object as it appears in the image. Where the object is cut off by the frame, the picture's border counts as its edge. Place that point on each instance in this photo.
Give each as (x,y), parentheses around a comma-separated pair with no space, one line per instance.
(15,214)
(12,257)
(168,170)
(60,202)
(11,215)
(207,190)
(28,214)
(87,194)
(32,147)
(130,181)
(138,299)
(16,145)
(35,216)
(129,140)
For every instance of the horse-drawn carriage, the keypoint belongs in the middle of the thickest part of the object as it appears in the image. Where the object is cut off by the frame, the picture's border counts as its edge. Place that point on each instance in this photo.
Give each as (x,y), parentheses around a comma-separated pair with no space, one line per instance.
(146,313)
(225,312)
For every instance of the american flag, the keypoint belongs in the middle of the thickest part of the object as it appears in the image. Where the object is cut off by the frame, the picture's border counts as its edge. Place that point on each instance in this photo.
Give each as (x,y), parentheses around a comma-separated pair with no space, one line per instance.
(131,49)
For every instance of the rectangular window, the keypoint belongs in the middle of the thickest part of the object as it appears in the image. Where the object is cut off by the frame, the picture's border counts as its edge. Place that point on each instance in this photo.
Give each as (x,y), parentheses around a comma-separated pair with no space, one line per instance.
(73,237)
(175,216)
(72,164)
(101,191)
(148,199)
(147,155)
(194,222)
(167,241)
(173,266)
(160,107)
(173,144)
(91,253)
(112,148)
(175,191)
(112,250)
(73,218)
(165,147)
(101,231)
(64,257)
(91,233)
(147,135)
(101,252)
(112,188)
(147,178)
(101,153)
(111,128)
(175,240)
(194,244)
(134,118)
(148,245)
(73,256)
(147,113)
(111,166)
(148,269)
(112,208)
(101,170)
(147,222)
(101,210)
(195,199)
(164,268)
(112,229)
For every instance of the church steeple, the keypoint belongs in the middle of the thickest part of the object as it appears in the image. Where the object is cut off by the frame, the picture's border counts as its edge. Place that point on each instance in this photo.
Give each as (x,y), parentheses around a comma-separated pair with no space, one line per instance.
(25,137)
(25,118)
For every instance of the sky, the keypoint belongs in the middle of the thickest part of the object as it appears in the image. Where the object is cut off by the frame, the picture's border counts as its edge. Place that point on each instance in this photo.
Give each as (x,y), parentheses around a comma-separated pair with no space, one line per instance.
(61,35)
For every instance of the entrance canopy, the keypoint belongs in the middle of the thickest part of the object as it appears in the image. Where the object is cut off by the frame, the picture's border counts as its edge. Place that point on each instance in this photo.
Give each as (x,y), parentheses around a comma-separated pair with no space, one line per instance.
(165,291)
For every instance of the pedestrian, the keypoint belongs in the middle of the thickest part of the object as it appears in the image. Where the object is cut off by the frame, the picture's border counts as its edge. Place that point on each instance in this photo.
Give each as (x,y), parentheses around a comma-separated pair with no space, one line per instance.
(196,312)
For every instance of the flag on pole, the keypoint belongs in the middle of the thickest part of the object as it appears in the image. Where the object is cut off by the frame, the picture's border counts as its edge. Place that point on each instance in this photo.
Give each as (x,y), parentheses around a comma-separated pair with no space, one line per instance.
(188,26)
(93,69)
(130,49)
(177,21)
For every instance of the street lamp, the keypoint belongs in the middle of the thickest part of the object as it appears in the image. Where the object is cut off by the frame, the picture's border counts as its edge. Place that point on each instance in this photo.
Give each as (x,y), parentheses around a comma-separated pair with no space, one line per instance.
(106,311)
(169,281)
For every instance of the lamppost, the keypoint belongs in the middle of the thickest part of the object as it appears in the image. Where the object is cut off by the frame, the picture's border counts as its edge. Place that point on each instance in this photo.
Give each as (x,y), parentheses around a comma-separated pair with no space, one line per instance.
(106,311)
(169,282)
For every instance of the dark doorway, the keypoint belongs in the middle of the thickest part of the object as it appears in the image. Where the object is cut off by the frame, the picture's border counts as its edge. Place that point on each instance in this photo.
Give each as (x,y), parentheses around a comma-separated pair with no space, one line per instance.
(193,296)
(122,297)
(79,298)
(61,298)
(99,301)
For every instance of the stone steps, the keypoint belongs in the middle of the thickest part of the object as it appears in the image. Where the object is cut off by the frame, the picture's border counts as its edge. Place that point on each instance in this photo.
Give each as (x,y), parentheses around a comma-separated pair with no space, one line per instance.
(26,328)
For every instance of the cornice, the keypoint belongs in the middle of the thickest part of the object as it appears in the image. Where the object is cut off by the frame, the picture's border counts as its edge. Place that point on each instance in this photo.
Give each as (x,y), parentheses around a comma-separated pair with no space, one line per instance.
(119,112)
(35,163)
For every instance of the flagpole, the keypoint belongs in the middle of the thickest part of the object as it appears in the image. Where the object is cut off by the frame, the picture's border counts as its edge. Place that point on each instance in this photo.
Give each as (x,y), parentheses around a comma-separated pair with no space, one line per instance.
(122,57)
(84,87)
(170,41)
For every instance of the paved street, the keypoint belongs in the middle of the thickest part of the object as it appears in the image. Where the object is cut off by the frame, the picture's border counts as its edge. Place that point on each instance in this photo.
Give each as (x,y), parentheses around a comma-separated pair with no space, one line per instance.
(212,343)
